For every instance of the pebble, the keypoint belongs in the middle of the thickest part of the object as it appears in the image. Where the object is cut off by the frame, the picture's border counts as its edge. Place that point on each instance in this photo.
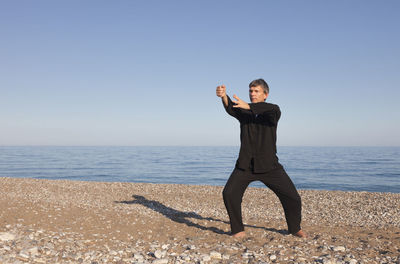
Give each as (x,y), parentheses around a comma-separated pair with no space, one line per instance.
(138,256)
(160,261)
(164,246)
(33,251)
(225,256)
(215,255)
(339,248)
(39,260)
(24,254)
(158,254)
(24,242)
(206,258)
(6,248)
(4,236)
(53,247)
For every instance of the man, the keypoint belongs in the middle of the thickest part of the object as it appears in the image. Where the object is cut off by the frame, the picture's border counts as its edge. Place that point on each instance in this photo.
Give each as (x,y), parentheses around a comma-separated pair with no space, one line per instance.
(257,157)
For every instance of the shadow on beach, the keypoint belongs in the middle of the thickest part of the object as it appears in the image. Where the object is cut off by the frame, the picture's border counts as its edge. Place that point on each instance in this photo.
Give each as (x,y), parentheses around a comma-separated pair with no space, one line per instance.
(184,217)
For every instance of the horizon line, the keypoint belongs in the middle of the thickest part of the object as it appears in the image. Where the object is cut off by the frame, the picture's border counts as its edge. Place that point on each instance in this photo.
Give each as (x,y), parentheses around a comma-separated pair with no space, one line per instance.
(322,146)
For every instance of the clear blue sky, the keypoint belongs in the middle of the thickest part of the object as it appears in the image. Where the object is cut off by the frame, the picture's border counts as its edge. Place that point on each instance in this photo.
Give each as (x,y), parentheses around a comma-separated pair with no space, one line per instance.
(145,72)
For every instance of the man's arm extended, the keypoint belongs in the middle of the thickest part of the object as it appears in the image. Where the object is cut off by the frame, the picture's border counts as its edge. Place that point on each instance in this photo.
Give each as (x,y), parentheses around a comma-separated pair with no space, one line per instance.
(221,92)
(271,112)
(256,108)
(239,103)
(238,109)
(226,101)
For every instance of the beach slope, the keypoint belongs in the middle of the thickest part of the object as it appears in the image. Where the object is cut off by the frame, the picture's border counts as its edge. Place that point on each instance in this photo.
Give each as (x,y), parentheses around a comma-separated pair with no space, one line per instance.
(59,221)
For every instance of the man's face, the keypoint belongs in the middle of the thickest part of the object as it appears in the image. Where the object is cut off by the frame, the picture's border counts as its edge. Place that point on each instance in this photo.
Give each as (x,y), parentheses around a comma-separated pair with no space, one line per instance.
(257,94)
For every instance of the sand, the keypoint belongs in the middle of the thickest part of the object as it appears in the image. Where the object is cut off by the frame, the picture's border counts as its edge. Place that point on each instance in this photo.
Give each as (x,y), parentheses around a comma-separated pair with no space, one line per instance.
(59,221)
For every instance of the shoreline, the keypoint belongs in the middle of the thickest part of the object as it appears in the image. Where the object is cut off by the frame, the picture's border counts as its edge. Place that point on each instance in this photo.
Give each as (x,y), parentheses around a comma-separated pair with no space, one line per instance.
(204,185)
(67,221)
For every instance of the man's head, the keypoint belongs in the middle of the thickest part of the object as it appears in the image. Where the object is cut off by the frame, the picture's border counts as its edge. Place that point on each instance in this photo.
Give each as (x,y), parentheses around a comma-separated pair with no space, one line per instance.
(258,91)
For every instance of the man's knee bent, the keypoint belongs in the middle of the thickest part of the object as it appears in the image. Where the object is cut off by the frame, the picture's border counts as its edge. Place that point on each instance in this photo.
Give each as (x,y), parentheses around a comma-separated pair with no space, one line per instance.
(227,192)
(230,193)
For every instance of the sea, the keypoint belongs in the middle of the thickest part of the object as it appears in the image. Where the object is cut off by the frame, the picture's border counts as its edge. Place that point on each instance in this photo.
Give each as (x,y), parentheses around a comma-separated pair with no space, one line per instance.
(371,169)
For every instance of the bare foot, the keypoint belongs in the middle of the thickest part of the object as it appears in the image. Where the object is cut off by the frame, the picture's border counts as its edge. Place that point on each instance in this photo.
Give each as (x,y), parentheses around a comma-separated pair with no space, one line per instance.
(301,234)
(239,234)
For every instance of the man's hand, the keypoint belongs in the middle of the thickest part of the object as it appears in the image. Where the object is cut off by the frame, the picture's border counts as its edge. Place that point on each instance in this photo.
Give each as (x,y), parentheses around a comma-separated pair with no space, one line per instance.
(221,91)
(239,103)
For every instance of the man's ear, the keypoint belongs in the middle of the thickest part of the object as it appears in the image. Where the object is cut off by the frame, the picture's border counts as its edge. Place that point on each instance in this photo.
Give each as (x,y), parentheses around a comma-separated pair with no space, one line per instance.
(265,96)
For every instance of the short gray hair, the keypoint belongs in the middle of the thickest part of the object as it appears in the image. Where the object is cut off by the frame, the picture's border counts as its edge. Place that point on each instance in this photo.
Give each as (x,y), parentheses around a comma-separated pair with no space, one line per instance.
(262,83)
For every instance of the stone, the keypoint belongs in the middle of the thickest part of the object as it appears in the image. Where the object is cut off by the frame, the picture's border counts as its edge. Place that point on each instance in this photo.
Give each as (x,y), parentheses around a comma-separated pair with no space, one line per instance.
(272,257)
(339,248)
(322,248)
(160,261)
(247,255)
(215,255)
(159,254)
(191,247)
(165,246)
(4,236)
(39,260)
(6,248)
(353,261)
(33,251)
(206,258)
(138,256)
(24,254)
(21,259)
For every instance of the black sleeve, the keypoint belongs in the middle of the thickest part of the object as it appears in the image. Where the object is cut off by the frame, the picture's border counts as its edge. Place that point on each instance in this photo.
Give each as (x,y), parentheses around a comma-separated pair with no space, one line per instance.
(270,112)
(237,113)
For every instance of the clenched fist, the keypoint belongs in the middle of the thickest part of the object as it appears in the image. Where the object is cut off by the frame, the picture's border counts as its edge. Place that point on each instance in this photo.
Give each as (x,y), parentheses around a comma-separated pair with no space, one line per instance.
(221,91)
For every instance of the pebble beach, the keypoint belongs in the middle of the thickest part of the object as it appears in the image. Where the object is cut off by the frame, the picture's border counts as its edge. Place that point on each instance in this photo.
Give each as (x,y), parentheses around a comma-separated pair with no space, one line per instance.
(60,221)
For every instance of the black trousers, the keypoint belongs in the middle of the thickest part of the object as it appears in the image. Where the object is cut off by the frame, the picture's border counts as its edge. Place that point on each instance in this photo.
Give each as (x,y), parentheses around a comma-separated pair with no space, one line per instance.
(277,180)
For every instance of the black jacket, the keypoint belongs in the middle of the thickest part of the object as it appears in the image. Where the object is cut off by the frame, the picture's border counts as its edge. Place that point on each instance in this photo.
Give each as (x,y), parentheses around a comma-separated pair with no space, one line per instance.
(257,136)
